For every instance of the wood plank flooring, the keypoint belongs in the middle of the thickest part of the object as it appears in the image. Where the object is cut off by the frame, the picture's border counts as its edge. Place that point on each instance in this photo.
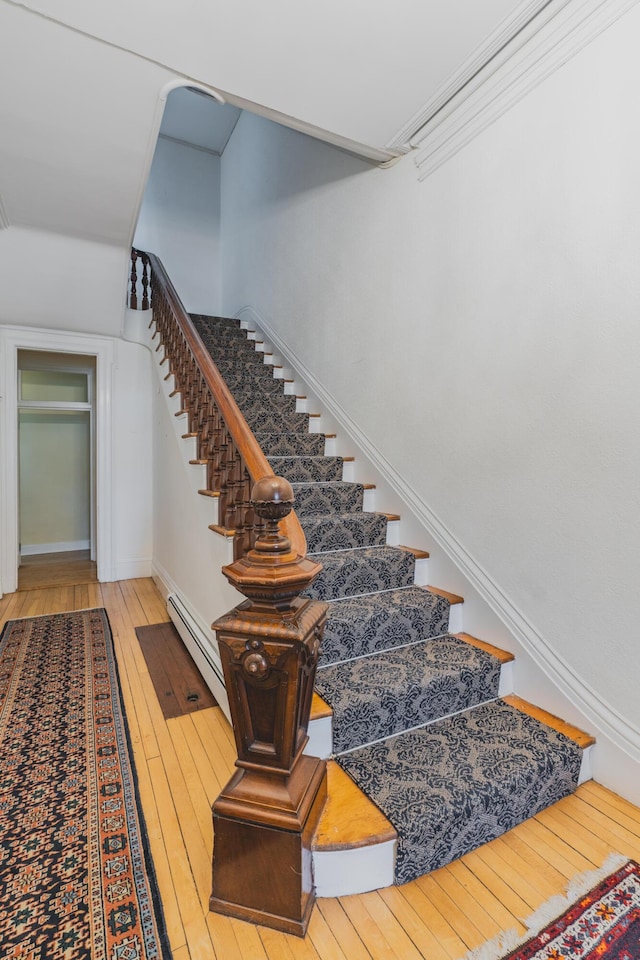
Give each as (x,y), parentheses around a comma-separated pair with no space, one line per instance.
(40,570)
(183,762)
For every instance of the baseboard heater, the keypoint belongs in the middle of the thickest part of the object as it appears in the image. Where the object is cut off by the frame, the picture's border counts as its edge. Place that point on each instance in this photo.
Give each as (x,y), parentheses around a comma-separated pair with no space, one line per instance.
(202,648)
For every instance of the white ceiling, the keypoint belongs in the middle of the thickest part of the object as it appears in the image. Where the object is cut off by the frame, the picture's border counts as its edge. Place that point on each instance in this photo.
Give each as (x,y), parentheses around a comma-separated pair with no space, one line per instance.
(359,70)
(83,87)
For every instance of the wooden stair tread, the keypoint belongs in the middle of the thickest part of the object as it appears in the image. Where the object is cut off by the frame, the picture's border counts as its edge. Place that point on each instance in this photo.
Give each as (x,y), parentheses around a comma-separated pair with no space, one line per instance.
(389,516)
(453,598)
(187,436)
(319,708)
(418,554)
(583,739)
(222,531)
(504,656)
(349,819)
(209,493)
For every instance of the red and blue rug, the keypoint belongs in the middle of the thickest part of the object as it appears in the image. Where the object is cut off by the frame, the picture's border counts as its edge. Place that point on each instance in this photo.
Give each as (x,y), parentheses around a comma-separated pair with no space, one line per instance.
(76,880)
(600,922)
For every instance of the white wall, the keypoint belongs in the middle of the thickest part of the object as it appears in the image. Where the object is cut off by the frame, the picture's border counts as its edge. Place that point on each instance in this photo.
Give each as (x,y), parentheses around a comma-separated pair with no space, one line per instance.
(55,445)
(57,282)
(481,330)
(180,221)
(133,505)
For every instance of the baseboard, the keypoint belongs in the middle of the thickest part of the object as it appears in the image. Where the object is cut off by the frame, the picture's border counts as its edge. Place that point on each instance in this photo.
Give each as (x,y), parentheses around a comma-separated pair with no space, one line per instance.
(600,714)
(66,546)
(132,569)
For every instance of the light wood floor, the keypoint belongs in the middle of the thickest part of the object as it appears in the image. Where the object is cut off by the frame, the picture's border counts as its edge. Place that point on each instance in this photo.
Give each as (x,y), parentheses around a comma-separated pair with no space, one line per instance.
(183,762)
(41,570)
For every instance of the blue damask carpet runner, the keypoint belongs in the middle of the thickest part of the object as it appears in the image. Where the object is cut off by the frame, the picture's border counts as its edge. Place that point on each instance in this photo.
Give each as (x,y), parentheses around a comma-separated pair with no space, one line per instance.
(417,721)
(75,876)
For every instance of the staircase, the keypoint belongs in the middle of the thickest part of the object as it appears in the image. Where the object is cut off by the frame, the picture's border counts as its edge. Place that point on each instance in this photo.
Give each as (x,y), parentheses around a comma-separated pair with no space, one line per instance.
(417,720)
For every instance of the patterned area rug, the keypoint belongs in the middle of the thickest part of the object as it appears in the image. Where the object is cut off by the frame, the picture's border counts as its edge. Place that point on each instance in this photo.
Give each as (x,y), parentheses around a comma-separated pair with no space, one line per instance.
(601,921)
(75,876)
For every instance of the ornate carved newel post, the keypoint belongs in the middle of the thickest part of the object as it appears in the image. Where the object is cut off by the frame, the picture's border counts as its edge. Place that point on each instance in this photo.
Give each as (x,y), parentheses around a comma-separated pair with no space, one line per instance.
(266,815)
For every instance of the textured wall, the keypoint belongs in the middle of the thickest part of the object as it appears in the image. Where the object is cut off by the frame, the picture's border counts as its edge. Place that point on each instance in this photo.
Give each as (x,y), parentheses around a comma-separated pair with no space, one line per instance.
(180,221)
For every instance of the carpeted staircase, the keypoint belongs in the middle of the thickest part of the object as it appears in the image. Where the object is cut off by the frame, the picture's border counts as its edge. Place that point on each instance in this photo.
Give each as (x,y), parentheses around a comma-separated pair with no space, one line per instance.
(417,721)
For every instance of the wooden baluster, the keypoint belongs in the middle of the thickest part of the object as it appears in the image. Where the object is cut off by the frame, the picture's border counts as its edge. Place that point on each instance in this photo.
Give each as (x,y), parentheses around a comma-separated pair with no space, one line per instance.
(145,281)
(133,279)
(245,536)
(266,815)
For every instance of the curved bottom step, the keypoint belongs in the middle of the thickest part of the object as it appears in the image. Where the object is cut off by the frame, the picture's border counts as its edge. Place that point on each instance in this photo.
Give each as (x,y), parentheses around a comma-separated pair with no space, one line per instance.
(354,848)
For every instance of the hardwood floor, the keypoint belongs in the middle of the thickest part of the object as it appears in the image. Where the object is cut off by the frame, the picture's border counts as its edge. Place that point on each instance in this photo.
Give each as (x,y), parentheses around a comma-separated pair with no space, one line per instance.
(183,762)
(42,570)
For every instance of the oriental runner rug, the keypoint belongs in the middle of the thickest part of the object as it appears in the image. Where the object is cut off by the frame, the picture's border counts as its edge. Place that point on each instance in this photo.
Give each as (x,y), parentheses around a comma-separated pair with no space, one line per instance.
(602,922)
(76,880)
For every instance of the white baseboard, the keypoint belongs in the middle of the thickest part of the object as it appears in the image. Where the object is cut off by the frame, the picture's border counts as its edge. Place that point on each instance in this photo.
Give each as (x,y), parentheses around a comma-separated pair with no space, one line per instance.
(61,546)
(132,569)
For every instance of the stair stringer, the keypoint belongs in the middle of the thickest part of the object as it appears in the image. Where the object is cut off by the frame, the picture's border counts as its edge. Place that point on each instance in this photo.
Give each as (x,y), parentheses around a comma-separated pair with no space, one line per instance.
(540,675)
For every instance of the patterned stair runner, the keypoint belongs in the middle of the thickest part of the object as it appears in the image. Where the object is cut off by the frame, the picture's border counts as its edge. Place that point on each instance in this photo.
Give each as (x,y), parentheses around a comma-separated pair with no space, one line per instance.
(417,721)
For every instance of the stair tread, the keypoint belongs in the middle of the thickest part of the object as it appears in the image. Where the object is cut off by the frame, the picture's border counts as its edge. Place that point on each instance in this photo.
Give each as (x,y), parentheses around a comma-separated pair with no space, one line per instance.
(580,737)
(463,780)
(504,656)
(349,819)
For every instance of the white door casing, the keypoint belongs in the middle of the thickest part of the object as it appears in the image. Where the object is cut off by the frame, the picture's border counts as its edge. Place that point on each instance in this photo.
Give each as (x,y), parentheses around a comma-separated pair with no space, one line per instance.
(12,339)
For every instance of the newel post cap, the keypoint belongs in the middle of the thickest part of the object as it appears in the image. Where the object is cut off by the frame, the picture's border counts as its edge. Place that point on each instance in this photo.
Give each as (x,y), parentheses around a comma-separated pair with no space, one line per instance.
(271,575)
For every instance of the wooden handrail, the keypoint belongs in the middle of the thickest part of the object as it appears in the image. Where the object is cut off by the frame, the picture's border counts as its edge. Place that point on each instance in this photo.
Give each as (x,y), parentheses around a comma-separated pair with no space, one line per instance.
(234,458)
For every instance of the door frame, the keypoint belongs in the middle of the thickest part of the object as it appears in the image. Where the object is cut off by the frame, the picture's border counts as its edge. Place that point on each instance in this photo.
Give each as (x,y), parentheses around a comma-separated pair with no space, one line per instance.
(12,339)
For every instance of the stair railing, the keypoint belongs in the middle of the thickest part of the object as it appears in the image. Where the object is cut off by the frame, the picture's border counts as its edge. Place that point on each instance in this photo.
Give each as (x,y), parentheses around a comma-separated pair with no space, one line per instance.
(226,445)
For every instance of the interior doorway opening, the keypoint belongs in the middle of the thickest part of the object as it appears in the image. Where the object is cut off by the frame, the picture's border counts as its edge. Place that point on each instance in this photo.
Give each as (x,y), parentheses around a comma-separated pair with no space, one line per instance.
(56,468)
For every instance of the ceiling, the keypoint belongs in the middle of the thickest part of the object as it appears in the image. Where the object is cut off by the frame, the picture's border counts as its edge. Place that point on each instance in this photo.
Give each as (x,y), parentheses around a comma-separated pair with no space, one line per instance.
(359,74)
(83,87)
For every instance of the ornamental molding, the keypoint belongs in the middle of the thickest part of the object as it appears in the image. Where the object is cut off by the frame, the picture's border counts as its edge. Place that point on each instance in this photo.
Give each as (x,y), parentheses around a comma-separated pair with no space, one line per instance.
(560,30)
(496,41)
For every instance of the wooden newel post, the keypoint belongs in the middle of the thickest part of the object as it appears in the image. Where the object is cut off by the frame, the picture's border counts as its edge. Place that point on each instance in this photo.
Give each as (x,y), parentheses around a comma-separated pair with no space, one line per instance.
(265,817)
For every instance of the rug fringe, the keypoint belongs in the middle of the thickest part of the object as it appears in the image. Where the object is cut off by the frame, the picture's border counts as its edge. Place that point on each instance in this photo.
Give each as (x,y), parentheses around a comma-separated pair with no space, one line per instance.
(509,940)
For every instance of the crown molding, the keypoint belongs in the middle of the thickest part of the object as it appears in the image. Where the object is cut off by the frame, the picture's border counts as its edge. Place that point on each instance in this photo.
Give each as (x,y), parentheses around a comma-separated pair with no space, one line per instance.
(4,219)
(557,33)
(496,41)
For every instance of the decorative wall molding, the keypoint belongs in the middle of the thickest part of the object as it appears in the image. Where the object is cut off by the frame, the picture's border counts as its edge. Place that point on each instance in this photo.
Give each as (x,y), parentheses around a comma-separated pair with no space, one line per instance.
(603,716)
(4,217)
(560,31)
(508,28)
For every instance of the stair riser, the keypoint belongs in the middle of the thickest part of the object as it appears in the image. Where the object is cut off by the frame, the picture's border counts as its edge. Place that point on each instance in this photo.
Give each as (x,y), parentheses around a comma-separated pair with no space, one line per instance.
(362,626)
(322,738)
(307,469)
(356,530)
(356,574)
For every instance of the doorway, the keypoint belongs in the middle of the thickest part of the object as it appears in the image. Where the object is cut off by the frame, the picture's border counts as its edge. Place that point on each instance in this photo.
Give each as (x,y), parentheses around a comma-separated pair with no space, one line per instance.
(56,468)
